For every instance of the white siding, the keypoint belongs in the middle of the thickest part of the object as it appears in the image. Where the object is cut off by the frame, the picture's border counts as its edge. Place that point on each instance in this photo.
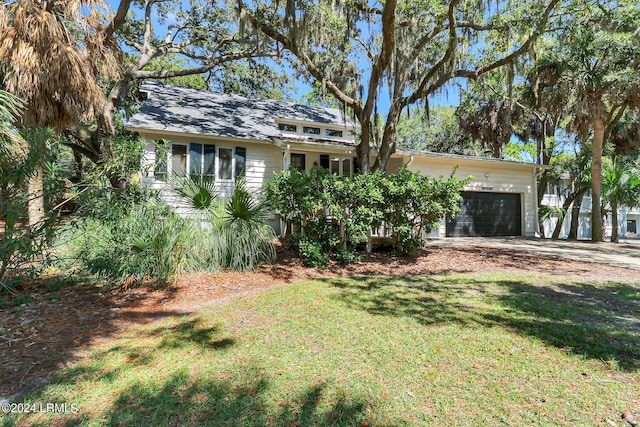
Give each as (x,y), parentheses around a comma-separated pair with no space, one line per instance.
(488,176)
(261,162)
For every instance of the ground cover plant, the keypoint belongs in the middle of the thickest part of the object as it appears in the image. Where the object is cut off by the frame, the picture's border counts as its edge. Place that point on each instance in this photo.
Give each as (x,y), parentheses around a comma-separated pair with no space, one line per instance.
(448,349)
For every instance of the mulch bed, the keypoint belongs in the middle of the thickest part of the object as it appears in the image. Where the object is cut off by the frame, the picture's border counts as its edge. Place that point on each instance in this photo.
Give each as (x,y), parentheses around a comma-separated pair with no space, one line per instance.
(52,330)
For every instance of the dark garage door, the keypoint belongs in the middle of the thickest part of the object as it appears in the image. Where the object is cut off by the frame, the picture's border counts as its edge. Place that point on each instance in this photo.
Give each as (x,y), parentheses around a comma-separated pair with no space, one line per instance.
(487,214)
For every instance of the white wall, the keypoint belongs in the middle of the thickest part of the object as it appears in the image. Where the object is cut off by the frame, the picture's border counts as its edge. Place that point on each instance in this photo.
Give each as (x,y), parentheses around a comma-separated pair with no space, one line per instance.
(261,162)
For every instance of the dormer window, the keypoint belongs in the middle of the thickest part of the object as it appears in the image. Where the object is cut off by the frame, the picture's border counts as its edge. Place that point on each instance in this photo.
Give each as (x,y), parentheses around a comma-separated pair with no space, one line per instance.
(286,127)
(334,133)
(310,130)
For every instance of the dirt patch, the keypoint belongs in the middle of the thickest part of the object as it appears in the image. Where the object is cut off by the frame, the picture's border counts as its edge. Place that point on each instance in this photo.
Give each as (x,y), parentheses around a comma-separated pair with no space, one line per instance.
(52,330)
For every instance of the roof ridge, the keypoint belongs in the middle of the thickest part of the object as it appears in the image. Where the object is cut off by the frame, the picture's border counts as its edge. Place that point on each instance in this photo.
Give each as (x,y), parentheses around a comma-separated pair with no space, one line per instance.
(164,85)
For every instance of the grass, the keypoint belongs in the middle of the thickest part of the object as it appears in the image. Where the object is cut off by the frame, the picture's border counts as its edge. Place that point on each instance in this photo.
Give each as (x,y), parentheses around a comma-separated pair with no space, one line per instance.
(462,350)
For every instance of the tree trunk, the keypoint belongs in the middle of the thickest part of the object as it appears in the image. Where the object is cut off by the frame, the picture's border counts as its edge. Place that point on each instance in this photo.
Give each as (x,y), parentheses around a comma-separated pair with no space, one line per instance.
(496,149)
(362,149)
(36,198)
(388,145)
(565,206)
(115,99)
(596,177)
(614,222)
(575,216)
(77,166)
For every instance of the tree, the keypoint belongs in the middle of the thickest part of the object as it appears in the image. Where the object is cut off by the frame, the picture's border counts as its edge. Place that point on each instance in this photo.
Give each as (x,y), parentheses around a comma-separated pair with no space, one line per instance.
(414,48)
(53,60)
(440,132)
(65,59)
(43,65)
(12,142)
(577,166)
(592,72)
(620,187)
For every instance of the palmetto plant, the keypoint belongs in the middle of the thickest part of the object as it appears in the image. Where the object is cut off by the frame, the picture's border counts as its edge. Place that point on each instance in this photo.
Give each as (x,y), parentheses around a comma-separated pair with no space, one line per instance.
(12,144)
(620,186)
(237,236)
(243,209)
(201,193)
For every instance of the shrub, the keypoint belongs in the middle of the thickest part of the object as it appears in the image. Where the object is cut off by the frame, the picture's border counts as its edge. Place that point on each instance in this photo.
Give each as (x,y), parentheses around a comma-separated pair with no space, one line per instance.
(341,212)
(313,253)
(347,256)
(23,246)
(133,236)
(144,243)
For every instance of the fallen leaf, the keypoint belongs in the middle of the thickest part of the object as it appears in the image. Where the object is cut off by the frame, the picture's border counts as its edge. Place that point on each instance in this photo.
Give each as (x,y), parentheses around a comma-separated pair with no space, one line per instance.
(628,417)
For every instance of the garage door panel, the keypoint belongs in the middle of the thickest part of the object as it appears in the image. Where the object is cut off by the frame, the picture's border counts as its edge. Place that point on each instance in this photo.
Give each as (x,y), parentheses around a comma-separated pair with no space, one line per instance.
(487,214)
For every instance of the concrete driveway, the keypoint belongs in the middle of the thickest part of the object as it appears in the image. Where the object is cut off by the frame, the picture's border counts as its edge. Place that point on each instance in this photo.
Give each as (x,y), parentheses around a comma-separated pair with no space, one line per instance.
(625,254)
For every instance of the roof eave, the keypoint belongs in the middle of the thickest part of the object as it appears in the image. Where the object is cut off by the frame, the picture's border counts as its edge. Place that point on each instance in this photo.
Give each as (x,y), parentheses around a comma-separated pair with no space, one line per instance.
(428,154)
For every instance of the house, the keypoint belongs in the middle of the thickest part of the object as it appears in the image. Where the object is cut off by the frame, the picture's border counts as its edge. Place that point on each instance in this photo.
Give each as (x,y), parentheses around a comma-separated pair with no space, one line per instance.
(225,137)
(555,195)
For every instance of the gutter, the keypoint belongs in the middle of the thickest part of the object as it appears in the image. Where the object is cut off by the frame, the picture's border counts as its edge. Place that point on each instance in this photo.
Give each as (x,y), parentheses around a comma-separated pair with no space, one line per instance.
(309,146)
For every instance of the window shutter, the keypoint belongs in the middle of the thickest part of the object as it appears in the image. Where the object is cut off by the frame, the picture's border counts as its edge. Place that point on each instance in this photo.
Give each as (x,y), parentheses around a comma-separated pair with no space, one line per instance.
(210,161)
(195,160)
(241,161)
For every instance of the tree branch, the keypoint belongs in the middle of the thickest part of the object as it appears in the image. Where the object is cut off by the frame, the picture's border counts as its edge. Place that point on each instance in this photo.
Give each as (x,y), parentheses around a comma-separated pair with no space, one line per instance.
(525,46)
(304,58)
(382,61)
(474,74)
(437,30)
(437,68)
(118,20)
(362,7)
(195,70)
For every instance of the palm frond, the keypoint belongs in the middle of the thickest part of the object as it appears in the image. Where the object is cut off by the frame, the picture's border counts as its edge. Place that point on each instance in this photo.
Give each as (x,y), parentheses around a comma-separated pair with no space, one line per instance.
(201,193)
(12,144)
(243,208)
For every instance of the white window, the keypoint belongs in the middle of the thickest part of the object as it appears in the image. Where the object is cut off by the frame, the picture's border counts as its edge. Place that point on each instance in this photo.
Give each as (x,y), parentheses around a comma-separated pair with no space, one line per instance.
(179,159)
(286,127)
(200,160)
(225,163)
(310,130)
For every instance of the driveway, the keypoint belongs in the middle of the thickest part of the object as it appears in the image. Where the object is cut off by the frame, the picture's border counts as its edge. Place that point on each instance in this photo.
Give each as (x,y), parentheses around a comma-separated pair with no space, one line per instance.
(625,254)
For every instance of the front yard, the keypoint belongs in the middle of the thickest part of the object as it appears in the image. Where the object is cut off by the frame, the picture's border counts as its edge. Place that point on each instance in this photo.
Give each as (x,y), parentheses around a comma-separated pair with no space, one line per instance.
(446,349)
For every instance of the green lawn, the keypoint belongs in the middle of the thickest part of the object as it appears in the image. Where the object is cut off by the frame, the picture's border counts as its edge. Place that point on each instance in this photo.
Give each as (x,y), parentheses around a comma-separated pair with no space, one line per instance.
(386,351)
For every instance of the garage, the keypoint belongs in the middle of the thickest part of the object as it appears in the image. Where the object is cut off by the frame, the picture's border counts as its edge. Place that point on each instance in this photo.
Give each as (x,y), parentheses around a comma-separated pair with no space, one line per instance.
(487,214)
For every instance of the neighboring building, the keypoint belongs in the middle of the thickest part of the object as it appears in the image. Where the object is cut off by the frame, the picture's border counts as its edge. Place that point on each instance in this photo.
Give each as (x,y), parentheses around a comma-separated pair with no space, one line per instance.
(227,136)
(555,195)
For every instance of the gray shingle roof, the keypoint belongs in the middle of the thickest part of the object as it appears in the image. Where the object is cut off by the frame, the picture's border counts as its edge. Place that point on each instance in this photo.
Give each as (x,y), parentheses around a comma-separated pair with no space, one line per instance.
(177,109)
